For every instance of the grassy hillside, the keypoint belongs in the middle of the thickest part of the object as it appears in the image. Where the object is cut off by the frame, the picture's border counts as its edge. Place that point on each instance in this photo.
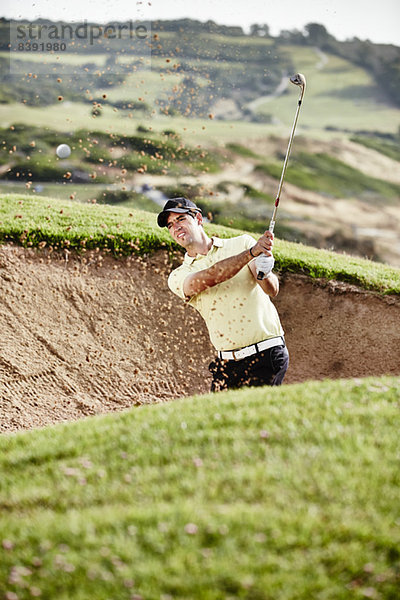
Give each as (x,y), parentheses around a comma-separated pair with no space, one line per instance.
(338,95)
(77,115)
(56,224)
(27,154)
(255,494)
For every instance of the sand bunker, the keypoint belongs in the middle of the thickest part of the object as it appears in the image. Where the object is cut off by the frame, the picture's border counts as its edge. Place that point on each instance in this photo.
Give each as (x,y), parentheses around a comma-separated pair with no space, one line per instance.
(94,334)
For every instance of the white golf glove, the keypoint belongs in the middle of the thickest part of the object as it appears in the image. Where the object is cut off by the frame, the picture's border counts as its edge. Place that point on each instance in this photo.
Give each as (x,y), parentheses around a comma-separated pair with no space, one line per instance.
(264,264)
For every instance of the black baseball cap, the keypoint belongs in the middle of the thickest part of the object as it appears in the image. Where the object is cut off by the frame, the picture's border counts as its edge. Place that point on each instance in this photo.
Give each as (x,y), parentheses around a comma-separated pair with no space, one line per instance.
(178,205)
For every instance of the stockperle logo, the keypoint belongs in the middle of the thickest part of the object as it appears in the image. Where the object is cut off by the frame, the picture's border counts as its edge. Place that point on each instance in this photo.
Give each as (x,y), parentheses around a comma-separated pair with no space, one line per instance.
(117,42)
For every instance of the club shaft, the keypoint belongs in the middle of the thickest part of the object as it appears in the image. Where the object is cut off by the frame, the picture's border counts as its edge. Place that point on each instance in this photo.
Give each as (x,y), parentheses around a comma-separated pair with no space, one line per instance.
(271,227)
(278,195)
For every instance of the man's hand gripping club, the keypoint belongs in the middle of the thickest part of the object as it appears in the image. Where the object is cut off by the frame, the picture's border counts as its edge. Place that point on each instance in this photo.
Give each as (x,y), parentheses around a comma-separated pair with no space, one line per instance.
(263,253)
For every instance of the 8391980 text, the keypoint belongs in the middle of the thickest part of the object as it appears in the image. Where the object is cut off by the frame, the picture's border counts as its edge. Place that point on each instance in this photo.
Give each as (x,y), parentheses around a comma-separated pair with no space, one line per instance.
(42,47)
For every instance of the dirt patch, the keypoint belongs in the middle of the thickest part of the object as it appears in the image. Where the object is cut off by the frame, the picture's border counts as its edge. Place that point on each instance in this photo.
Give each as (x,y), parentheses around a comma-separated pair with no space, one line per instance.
(94,334)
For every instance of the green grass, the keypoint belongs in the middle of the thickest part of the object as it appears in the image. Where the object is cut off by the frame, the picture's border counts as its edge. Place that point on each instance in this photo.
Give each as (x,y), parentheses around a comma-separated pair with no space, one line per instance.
(293,257)
(67,58)
(267,494)
(242,150)
(36,221)
(147,85)
(76,115)
(388,147)
(82,192)
(131,200)
(326,174)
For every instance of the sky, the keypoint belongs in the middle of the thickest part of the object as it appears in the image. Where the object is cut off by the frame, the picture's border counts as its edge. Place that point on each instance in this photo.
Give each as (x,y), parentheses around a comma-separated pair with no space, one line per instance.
(378,22)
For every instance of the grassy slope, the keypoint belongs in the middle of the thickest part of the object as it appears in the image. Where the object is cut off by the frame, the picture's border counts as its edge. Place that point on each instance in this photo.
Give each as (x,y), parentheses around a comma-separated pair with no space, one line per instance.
(338,95)
(68,58)
(40,221)
(328,175)
(257,494)
(76,115)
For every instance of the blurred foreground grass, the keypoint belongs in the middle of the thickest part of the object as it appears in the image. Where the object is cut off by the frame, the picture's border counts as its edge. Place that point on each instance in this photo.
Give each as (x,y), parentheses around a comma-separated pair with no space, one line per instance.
(258,494)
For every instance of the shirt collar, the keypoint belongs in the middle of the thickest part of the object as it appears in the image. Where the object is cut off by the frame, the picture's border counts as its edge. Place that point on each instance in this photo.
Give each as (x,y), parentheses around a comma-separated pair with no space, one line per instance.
(217,243)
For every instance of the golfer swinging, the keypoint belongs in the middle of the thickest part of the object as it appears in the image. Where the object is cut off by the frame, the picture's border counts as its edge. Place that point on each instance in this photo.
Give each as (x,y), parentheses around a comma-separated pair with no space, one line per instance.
(219,278)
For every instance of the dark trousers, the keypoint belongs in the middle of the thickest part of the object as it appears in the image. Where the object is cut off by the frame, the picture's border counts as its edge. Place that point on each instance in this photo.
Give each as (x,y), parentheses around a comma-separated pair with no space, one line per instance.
(264,368)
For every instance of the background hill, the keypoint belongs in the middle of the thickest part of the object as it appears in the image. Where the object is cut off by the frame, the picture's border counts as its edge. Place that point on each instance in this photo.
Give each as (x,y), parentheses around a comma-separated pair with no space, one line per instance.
(206,111)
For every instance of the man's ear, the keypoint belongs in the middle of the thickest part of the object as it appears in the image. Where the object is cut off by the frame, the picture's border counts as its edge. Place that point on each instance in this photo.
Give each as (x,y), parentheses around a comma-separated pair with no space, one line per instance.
(199,218)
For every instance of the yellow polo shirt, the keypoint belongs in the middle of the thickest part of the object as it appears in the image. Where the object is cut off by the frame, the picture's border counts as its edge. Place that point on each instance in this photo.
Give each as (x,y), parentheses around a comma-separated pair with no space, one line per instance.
(237,312)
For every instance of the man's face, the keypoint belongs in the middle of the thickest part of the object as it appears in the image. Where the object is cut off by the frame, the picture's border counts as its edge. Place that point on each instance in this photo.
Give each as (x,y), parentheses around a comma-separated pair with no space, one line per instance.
(184,228)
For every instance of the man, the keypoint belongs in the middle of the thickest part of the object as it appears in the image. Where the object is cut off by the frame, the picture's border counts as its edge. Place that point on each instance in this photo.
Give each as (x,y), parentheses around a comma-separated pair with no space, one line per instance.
(219,278)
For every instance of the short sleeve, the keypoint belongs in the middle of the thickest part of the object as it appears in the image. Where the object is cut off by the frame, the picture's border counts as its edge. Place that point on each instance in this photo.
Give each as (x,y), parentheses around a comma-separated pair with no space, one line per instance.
(176,280)
(248,241)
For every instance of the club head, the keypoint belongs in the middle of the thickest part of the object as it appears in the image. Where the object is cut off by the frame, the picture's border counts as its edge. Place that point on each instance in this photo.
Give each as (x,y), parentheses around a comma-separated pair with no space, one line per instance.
(298,79)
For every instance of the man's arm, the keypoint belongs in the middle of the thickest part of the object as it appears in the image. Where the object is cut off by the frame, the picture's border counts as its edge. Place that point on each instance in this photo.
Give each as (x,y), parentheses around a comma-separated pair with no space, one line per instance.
(221,271)
(227,268)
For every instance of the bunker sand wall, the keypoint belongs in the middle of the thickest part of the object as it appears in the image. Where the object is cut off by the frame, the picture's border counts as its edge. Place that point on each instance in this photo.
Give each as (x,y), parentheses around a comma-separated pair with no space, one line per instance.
(94,334)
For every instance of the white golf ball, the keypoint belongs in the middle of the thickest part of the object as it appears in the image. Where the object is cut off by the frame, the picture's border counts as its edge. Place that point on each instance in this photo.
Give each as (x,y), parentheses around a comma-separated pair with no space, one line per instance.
(63,151)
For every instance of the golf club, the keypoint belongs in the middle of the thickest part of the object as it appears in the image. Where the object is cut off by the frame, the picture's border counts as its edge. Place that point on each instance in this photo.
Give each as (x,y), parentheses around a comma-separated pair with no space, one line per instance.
(300,80)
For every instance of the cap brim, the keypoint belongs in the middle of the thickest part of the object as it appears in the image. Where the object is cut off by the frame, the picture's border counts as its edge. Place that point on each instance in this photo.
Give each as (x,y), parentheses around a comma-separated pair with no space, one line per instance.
(163,216)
